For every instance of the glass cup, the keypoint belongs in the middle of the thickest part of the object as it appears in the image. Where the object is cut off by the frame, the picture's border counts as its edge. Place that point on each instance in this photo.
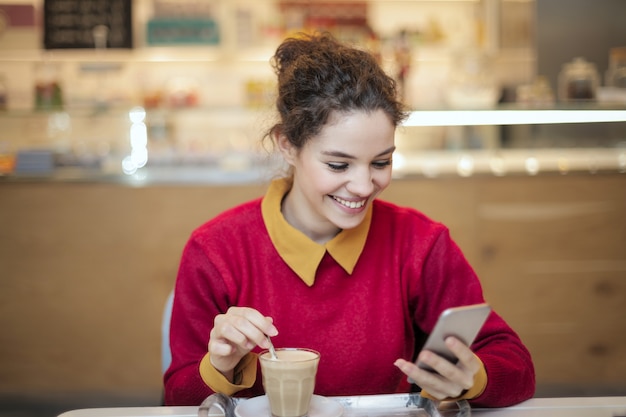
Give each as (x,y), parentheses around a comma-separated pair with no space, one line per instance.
(289,380)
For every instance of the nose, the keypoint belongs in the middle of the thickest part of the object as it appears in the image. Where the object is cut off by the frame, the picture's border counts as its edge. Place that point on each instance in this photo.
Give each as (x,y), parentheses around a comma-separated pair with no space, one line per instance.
(361,183)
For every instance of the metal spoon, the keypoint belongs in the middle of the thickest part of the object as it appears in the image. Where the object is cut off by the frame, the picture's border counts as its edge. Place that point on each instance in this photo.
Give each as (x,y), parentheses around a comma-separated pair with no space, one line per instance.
(272,350)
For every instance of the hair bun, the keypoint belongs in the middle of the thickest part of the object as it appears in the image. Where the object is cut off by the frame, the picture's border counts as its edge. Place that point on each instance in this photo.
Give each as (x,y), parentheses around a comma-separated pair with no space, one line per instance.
(303,45)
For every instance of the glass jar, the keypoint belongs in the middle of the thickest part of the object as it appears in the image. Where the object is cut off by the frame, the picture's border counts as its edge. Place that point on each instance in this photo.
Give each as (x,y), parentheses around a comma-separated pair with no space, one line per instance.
(472,82)
(578,81)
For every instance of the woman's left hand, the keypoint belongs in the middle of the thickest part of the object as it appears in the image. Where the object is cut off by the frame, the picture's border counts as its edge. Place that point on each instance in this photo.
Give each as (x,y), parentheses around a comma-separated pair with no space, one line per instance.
(450,380)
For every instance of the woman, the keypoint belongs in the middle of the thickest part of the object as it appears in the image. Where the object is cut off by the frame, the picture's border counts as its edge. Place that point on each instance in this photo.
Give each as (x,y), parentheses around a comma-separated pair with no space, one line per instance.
(320,262)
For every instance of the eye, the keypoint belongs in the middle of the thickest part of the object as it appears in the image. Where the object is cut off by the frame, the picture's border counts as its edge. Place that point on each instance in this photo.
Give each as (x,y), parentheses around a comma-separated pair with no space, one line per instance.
(336,166)
(381,164)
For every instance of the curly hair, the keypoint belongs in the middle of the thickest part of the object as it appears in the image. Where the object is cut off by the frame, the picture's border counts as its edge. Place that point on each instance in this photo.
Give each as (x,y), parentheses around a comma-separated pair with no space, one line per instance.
(317,76)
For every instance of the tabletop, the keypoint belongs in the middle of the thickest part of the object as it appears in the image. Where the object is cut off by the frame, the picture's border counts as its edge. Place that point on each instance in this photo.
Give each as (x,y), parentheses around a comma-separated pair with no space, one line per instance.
(370,406)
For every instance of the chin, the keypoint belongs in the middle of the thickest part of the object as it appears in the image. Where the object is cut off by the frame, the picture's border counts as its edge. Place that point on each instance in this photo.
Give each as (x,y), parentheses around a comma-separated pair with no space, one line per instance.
(350,223)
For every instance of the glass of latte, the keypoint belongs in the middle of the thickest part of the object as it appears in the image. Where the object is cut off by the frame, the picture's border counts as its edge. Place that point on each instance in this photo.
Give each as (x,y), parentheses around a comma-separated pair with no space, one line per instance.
(289,380)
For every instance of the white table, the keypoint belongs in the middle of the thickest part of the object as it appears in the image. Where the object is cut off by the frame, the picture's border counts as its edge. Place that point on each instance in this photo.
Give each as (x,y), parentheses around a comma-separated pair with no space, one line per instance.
(536,407)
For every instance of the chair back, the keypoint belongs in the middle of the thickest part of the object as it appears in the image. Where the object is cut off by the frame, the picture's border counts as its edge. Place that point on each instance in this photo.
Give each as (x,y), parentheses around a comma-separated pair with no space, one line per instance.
(166,353)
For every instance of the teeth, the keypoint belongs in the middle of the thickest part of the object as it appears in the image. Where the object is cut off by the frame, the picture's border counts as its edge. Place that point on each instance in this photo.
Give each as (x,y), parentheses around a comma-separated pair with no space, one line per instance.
(350,204)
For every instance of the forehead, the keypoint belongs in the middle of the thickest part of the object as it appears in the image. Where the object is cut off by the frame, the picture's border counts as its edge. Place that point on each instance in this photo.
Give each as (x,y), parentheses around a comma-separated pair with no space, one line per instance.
(362,131)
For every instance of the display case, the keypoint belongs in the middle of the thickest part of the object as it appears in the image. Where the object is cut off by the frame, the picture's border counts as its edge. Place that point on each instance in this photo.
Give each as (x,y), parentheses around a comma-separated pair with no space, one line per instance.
(179,109)
(207,102)
(216,145)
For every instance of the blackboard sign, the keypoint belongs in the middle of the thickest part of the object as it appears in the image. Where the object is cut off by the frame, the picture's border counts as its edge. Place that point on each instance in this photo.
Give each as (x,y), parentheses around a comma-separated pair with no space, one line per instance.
(70,23)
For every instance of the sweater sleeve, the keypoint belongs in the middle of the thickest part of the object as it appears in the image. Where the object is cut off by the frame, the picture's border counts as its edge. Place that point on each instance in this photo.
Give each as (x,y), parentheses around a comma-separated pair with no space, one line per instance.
(448,280)
(245,375)
(200,295)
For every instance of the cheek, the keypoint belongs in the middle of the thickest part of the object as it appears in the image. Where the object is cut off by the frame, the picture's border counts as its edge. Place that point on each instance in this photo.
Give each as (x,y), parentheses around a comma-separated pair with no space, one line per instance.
(316,183)
(325,183)
(382,179)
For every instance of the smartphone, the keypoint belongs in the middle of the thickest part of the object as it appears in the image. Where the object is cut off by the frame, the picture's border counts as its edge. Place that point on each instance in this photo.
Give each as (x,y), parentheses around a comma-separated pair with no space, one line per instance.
(464,323)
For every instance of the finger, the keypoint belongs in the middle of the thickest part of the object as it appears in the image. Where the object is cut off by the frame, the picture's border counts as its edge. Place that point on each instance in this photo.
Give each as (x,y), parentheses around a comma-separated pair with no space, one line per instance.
(416,375)
(440,387)
(429,381)
(241,334)
(219,348)
(467,358)
(453,377)
(249,324)
(434,361)
(448,380)
(467,366)
(227,329)
(407,368)
(264,324)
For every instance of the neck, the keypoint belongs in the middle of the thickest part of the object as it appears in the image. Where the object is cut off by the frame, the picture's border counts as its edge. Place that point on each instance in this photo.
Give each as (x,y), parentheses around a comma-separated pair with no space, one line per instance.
(289,213)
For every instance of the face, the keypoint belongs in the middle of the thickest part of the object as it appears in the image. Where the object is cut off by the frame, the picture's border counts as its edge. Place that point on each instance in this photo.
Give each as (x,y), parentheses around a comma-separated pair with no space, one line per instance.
(338,173)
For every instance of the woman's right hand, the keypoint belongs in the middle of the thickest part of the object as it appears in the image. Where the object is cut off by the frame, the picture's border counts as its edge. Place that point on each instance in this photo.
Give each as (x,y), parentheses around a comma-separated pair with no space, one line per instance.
(235,334)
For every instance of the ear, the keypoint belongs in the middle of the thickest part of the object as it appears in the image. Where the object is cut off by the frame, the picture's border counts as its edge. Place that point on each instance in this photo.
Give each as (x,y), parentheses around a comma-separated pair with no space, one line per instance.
(288,151)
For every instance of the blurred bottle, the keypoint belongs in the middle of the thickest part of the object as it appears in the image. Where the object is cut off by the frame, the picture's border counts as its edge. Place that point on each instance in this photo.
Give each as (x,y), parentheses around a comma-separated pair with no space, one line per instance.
(3,93)
(7,158)
(48,92)
(578,81)
(616,74)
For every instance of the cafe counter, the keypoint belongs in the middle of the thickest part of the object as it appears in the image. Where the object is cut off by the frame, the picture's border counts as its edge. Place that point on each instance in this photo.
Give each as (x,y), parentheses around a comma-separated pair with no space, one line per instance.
(87,267)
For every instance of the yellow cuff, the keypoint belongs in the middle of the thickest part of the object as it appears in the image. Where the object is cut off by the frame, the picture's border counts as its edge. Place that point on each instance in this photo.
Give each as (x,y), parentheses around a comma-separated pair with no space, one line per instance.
(245,375)
(480,383)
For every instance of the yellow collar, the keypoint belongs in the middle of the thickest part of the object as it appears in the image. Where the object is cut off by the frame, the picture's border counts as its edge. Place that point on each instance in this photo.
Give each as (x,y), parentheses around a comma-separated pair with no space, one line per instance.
(301,253)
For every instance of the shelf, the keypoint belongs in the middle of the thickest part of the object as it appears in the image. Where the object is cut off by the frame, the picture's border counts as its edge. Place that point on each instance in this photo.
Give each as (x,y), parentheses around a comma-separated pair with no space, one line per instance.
(425,164)
(517,116)
(213,54)
(156,54)
(507,162)
(504,115)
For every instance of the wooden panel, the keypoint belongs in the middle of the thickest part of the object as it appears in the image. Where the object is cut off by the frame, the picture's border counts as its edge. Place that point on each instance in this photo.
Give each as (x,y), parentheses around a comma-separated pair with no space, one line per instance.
(553,263)
(553,217)
(85,270)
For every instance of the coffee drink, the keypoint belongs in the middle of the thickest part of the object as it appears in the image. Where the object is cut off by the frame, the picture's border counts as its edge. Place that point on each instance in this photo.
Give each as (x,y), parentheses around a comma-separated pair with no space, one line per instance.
(289,380)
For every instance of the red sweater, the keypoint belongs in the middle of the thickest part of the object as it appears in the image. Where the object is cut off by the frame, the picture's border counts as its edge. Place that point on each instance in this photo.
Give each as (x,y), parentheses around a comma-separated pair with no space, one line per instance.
(409,271)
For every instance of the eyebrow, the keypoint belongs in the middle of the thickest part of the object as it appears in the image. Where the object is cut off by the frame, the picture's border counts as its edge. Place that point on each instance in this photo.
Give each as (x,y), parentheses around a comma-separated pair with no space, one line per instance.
(339,154)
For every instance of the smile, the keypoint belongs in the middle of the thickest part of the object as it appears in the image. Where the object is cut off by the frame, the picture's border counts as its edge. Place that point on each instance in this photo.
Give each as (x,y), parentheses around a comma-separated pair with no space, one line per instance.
(350,204)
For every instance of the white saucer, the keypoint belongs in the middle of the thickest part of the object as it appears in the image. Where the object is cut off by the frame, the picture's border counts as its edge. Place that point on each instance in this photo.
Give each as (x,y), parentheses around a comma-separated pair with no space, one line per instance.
(260,407)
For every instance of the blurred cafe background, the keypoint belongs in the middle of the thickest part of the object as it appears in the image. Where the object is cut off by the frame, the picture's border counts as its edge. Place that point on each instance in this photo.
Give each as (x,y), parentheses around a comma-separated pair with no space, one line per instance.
(125,124)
